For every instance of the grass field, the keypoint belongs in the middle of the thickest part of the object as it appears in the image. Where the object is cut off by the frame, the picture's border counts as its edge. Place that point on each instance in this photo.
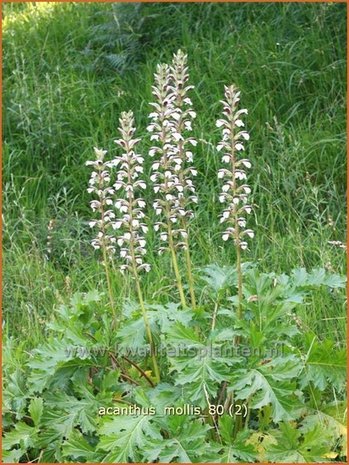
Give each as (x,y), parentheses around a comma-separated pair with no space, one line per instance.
(66,79)
(69,70)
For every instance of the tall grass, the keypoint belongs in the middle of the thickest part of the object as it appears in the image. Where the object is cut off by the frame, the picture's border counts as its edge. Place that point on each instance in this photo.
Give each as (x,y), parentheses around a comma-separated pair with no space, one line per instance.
(70,69)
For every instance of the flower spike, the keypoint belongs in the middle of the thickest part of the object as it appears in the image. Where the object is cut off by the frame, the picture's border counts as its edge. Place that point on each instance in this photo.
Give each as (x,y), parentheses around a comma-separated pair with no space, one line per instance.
(132,242)
(235,190)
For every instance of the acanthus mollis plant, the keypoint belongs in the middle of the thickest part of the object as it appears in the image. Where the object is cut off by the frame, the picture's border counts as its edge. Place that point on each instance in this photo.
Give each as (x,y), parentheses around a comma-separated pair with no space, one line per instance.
(132,241)
(235,191)
(99,185)
(242,386)
(171,119)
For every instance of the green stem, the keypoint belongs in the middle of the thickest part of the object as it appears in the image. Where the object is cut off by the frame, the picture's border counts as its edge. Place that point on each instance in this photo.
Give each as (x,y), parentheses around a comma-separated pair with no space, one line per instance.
(190,274)
(107,274)
(177,273)
(147,325)
(174,259)
(239,274)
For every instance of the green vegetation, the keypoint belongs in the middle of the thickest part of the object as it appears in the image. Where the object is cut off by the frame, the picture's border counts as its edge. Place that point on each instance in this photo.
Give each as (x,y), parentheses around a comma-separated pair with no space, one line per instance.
(69,71)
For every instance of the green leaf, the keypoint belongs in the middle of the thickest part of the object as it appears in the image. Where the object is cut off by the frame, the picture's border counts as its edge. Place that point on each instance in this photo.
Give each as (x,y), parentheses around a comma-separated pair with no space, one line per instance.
(54,363)
(269,384)
(124,435)
(22,435)
(132,335)
(324,364)
(15,393)
(166,315)
(318,277)
(63,413)
(78,448)
(35,410)
(164,394)
(331,418)
(185,444)
(219,277)
(299,276)
(72,412)
(12,456)
(293,447)
(199,367)
(179,334)
(238,449)
(226,428)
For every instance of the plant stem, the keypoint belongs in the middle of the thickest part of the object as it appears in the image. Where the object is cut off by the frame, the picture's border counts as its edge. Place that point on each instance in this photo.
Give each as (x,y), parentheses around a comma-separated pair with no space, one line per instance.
(142,372)
(174,259)
(214,316)
(190,274)
(107,274)
(147,325)
(239,274)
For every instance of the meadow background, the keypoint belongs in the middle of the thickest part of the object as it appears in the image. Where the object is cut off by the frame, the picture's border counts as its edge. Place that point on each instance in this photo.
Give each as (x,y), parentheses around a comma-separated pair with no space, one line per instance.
(69,69)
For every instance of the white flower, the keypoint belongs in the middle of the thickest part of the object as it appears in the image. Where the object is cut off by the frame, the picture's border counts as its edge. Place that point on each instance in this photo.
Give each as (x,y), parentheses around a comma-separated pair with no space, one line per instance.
(240,174)
(246,163)
(117,224)
(99,153)
(163,236)
(220,123)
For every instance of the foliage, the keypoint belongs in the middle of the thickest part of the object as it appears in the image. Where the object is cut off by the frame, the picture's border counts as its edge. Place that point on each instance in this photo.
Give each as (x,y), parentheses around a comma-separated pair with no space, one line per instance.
(85,367)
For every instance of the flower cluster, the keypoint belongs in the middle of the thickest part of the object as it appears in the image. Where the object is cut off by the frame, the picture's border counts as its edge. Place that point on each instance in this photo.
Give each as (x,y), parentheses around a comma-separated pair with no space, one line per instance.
(131,223)
(99,184)
(171,176)
(235,190)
